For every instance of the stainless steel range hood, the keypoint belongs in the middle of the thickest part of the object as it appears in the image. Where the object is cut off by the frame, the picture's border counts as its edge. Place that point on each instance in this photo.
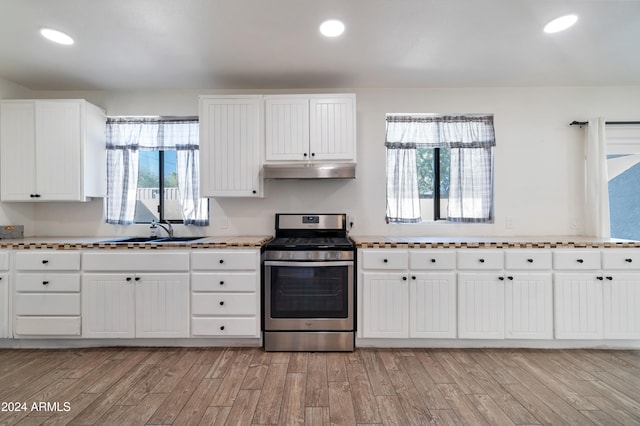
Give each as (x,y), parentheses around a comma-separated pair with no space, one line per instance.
(310,171)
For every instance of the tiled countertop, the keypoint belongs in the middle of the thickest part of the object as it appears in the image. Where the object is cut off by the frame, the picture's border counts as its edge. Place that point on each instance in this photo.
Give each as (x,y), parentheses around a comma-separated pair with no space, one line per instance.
(76,243)
(369,241)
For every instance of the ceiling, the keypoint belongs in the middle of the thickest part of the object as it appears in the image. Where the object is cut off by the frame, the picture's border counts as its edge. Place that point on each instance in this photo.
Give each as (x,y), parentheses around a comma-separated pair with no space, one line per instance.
(275,44)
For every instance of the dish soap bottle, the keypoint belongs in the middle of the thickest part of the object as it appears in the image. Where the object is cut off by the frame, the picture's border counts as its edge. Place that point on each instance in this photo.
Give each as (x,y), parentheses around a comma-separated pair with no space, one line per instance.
(154,230)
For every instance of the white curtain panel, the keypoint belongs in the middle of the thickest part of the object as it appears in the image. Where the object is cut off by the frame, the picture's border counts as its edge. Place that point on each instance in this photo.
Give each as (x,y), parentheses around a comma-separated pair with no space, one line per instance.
(403,200)
(596,188)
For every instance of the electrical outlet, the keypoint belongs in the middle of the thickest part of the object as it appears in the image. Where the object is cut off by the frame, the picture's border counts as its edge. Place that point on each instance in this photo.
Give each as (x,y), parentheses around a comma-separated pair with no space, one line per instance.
(351,222)
(574,223)
(508,222)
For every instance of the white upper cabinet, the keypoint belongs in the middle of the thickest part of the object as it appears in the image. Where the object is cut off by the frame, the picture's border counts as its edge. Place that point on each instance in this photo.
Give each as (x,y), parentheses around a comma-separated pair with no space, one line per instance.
(310,127)
(230,146)
(52,150)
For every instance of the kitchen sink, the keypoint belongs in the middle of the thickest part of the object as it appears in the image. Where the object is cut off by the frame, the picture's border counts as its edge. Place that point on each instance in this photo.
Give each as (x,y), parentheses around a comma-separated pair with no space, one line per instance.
(152,240)
(131,240)
(176,239)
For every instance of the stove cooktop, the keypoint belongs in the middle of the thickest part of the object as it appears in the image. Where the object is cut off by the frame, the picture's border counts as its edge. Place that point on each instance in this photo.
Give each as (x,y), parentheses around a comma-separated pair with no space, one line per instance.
(310,243)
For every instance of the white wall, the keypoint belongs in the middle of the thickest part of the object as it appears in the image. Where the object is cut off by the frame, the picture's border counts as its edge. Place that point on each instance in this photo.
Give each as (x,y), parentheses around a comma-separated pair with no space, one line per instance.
(16,213)
(538,162)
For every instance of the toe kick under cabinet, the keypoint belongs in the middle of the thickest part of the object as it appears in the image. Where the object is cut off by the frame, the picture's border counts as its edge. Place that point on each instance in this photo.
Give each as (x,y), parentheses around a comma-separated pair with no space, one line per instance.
(225,299)
(47,294)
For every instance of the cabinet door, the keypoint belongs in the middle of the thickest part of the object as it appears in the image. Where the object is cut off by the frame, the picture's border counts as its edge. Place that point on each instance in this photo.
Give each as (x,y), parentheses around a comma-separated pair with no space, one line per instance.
(4,306)
(230,147)
(578,306)
(621,302)
(108,305)
(529,306)
(17,143)
(432,305)
(332,128)
(162,305)
(286,128)
(58,150)
(385,303)
(480,305)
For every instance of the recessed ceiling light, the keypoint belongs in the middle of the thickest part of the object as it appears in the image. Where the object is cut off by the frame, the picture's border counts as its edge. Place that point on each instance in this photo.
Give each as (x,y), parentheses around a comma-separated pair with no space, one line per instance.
(560,24)
(56,36)
(331,28)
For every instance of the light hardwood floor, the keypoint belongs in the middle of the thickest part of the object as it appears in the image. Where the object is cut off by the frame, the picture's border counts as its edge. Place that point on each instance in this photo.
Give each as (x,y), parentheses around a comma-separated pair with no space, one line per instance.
(161,386)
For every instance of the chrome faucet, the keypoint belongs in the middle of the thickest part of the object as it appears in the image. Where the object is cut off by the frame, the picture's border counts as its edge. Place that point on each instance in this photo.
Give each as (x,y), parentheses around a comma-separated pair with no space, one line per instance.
(166,227)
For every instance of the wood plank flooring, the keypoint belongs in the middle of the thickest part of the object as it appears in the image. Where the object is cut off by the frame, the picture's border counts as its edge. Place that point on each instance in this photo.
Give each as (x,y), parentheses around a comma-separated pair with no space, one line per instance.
(243,386)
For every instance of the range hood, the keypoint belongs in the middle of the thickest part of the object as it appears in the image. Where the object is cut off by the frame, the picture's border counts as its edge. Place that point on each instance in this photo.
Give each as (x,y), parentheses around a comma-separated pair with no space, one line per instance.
(310,171)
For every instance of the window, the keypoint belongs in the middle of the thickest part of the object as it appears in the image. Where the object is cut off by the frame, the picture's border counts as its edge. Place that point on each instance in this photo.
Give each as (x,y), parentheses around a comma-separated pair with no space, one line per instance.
(152,166)
(623,170)
(439,167)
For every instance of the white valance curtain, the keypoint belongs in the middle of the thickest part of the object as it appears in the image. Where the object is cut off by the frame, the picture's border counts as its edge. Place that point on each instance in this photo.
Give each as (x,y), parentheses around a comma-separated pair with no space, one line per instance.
(597,223)
(471,138)
(125,138)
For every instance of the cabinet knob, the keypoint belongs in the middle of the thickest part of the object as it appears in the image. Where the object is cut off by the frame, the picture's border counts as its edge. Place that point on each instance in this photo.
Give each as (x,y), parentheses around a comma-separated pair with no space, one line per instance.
(501,278)
(221,261)
(34,195)
(628,260)
(481,260)
(305,154)
(610,278)
(385,260)
(313,154)
(137,278)
(128,278)
(222,328)
(45,282)
(433,261)
(222,303)
(413,277)
(580,260)
(530,260)
(44,262)
(254,191)
(599,278)
(510,278)
(404,278)
(221,282)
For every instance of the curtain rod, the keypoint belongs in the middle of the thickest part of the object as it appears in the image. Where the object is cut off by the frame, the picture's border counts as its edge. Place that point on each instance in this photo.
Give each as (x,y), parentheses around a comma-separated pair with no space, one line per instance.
(584,123)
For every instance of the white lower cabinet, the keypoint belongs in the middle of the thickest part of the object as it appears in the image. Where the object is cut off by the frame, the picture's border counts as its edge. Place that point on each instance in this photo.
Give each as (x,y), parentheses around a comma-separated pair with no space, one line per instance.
(47,294)
(528,305)
(578,306)
(385,303)
(621,293)
(408,294)
(480,305)
(135,302)
(225,293)
(135,305)
(4,295)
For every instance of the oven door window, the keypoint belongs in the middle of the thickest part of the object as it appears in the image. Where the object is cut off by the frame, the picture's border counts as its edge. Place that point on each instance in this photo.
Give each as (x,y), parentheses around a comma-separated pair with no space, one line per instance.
(309,291)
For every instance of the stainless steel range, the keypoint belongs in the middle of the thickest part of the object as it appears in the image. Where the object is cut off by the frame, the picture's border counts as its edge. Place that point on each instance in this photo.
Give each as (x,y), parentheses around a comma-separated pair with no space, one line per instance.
(309,285)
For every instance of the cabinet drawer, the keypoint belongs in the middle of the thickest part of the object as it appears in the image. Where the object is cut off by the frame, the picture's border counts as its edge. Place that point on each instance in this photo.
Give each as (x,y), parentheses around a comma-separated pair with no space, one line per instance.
(225,260)
(481,259)
(48,326)
(223,304)
(49,283)
(44,260)
(621,259)
(527,259)
(576,259)
(432,259)
(225,282)
(385,259)
(154,261)
(48,304)
(225,327)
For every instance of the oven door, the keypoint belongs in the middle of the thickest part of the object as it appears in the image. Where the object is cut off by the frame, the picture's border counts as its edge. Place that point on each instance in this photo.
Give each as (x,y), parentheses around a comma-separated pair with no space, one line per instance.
(314,296)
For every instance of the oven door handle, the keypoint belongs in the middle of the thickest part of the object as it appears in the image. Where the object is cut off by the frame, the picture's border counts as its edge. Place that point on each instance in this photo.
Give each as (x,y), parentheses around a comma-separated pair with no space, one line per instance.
(312,264)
